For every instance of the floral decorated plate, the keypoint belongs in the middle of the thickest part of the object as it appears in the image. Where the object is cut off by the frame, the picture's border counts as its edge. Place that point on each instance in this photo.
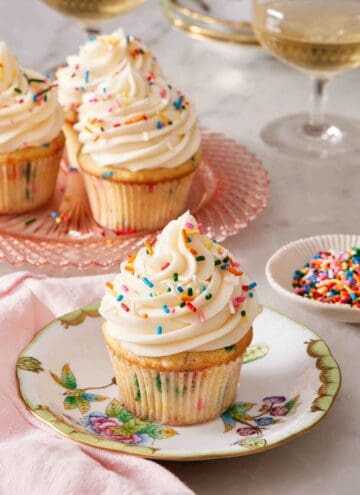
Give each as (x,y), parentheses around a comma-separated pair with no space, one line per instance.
(289,382)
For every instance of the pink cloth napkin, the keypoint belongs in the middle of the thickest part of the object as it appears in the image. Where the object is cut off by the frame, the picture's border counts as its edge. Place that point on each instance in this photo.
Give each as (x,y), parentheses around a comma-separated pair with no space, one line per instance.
(33,459)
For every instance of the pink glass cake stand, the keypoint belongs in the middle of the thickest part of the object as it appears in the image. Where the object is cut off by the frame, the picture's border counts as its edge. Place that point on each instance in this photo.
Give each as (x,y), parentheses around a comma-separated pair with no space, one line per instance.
(230,189)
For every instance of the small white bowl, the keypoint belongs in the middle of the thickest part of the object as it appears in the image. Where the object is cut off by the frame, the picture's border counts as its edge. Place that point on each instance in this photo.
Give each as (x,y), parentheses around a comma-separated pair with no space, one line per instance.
(281,266)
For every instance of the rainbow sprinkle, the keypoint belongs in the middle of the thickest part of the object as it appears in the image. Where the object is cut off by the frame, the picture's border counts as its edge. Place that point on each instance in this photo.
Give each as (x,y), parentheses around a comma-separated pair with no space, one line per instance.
(159,330)
(124,307)
(131,258)
(149,247)
(331,277)
(190,306)
(238,300)
(201,315)
(107,174)
(30,221)
(184,236)
(148,282)
(186,298)
(125,231)
(234,271)
(178,103)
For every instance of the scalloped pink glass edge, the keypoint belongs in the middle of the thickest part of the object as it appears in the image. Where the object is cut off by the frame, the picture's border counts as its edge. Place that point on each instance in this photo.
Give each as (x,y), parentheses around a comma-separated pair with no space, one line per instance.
(231,190)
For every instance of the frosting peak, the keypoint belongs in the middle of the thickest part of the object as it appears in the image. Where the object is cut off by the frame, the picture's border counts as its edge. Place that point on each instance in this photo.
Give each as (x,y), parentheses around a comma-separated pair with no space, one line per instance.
(98,58)
(184,293)
(30,114)
(137,122)
(126,82)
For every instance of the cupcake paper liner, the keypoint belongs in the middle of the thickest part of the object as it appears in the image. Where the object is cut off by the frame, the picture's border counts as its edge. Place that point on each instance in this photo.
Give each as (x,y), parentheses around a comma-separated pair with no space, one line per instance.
(28,184)
(176,397)
(125,206)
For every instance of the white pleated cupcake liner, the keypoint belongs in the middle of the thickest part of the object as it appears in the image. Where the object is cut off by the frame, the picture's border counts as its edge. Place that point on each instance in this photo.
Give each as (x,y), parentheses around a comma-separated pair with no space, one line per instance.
(176,397)
(28,184)
(124,206)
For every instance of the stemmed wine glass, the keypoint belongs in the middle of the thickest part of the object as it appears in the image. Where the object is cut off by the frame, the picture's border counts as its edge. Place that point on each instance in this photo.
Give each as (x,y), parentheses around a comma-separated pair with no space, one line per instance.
(92,13)
(321,38)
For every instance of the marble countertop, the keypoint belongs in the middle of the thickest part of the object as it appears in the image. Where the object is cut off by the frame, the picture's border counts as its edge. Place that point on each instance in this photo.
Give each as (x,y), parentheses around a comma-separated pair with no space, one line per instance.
(238,90)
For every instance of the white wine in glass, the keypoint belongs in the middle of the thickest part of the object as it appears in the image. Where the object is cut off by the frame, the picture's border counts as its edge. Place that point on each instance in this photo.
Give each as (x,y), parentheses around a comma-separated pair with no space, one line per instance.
(93,13)
(321,38)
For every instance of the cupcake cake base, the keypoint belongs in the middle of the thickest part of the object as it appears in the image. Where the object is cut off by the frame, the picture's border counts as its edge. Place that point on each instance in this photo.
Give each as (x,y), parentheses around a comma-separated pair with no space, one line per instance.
(183,389)
(141,201)
(28,177)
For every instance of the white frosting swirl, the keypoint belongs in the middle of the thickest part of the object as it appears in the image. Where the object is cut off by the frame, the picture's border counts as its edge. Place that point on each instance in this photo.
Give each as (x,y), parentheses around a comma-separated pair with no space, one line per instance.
(97,59)
(136,123)
(219,315)
(30,114)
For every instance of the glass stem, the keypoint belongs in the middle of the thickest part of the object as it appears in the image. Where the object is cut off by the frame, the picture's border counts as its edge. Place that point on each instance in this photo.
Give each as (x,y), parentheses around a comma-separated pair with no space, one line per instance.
(316,125)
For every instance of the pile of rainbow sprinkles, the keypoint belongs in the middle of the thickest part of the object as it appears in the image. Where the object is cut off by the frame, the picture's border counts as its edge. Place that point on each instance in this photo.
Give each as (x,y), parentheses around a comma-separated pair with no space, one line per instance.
(331,277)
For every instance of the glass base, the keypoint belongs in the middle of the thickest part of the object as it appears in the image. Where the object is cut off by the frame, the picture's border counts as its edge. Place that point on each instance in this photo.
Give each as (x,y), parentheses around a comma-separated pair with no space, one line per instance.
(293,135)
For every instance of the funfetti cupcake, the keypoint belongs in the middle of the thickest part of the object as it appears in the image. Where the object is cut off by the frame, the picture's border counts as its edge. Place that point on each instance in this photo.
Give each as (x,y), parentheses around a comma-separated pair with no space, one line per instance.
(178,319)
(31,140)
(141,146)
(99,57)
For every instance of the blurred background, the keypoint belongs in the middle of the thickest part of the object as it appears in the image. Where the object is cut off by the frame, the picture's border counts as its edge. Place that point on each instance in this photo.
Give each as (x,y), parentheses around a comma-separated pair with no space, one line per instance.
(237,89)
(215,74)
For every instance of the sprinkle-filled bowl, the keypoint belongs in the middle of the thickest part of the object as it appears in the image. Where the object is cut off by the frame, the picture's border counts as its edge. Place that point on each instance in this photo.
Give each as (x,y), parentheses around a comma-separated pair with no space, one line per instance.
(282,265)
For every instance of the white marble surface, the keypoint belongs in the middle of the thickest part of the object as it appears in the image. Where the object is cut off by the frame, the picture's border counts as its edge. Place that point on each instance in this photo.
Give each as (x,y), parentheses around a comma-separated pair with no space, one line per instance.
(237,91)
